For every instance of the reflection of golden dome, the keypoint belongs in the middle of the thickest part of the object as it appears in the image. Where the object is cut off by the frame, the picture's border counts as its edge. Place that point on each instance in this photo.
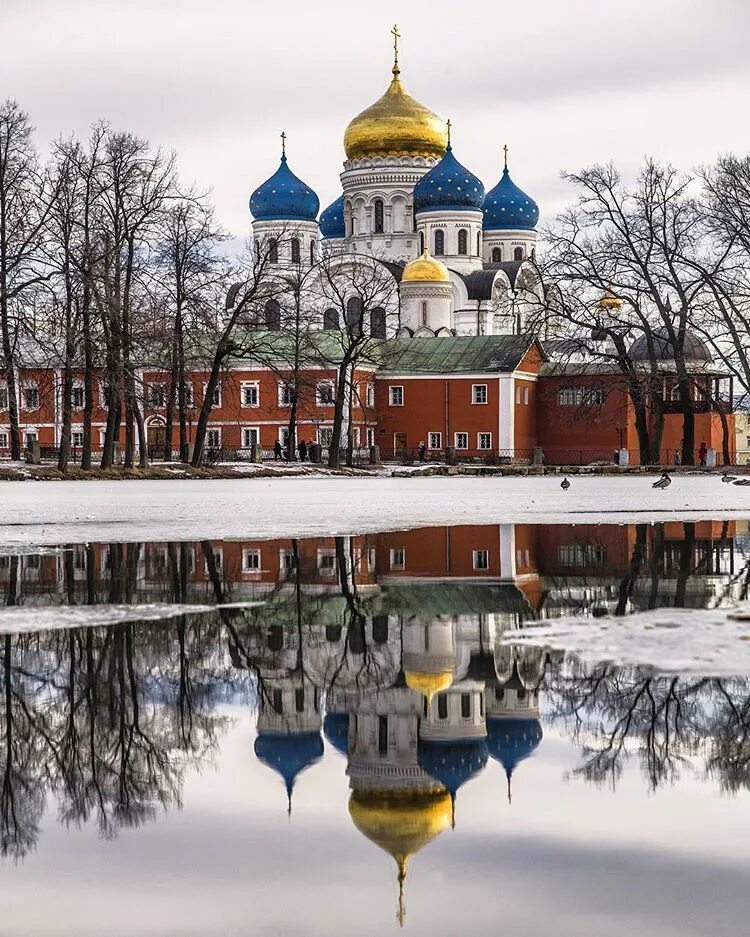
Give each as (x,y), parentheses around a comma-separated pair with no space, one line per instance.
(608,301)
(428,683)
(401,823)
(396,125)
(426,268)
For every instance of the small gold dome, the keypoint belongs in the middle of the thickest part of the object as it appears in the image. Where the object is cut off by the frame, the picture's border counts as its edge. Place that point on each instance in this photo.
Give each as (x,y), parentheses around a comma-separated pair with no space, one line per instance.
(428,683)
(608,301)
(425,268)
(396,125)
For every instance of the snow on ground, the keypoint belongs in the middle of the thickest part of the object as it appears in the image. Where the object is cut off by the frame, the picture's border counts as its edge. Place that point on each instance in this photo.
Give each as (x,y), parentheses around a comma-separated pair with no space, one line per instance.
(710,642)
(32,618)
(79,511)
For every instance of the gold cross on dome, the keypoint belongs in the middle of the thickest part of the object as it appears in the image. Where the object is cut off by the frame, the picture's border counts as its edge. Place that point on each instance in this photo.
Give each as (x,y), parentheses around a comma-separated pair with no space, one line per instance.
(449,124)
(283,143)
(505,153)
(396,36)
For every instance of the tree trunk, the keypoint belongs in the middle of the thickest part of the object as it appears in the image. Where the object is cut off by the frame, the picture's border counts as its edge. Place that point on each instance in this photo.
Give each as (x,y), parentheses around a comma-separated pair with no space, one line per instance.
(88,378)
(334,452)
(206,407)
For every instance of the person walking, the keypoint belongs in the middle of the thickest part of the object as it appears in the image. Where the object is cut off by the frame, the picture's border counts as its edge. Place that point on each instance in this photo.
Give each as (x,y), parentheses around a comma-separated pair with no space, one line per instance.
(277,452)
(302,449)
(420,451)
(676,458)
(703,453)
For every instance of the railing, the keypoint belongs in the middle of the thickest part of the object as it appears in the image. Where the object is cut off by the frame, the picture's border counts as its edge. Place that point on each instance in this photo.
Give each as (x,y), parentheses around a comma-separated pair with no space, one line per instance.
(413,456)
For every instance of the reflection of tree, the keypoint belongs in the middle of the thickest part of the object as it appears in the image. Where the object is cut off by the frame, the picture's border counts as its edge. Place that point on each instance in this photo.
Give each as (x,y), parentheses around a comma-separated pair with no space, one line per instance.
(670,724)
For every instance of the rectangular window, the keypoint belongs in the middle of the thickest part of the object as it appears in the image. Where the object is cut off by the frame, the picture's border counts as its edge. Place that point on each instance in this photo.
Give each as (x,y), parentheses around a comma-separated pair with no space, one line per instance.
(370,395)
(371,559)
(76,439)
(277,701)
(518,393)
(481,559)
(580,396)
(324,394)
(466,705)
(216,401)
(325,435)
(382,735)
(286,561)
(3,439)
(285,394)
(218,558)
(370,436)
(78,397)
(479,393)
(582,554)
(398,558)
(526,396)
(251,561)
(461,440)
(442,701)
(250,436)
(327,562)
(250,394)
(434,440)
(396,395)
(156,395)
(484,440)
(213,438)
(31,397)
(30,437)
(3,397)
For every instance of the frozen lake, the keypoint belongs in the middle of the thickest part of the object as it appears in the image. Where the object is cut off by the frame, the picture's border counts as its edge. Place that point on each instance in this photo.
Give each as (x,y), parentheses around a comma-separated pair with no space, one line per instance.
(264,733)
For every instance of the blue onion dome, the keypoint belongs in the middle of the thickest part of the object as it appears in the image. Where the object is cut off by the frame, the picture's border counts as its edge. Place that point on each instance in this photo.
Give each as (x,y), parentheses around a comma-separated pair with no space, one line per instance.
(332,219)
(289,754)
(448,186)
(336,730)
(284,197)
(511,741)
(453,763)
(508,207)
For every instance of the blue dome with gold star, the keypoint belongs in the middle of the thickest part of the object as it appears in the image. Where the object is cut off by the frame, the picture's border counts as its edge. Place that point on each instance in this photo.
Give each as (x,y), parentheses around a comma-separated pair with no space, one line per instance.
(289,755)
(512,740)
(448,186)
(332,219)
(506,207)
(336,730)
(284,197)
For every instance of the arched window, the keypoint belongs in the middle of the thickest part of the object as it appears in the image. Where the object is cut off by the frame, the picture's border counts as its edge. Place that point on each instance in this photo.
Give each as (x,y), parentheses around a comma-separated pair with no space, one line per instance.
(463,241)
(479,243)
(421,242)
(257,249)
(295,250)
(533,253)
(272,315)
(331,319)
(497,255)
(378,216)
(377,323)
(518,253)
(439,242)
(425,314)
(273,251)
(354,314)
(312,252)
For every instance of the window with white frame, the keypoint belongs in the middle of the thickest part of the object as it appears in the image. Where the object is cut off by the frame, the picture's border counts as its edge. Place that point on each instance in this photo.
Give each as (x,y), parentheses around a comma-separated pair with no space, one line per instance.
(250,436)
(188,394)
(29,437)
(398,558)
(285,394)
(370,436)
(30,397)
(479,393)
(327,562)
(580,396)
(324,393)
(287,561)
(396,395)
(3,439)
(484,440)
(434,440)
(481,559)
(371,559)
(518,393)
(461,440)
(250,394)
(250,561)
(76,439)
(370,394)
(325,435)
(217,555)
(103,394)
(156,395)
(102,437)
(582,554)
(284,436)
(78,397)
(216,401)
(213,438)
(3,397)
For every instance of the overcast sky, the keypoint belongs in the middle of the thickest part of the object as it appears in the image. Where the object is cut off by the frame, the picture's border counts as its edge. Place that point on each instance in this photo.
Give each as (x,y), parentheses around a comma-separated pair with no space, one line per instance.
(564,82)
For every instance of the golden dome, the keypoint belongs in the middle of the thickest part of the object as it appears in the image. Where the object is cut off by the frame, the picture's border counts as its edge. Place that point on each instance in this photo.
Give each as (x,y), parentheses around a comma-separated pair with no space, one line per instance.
(396,125)
(401,823)
(608,301)
(425,268)
(428,683)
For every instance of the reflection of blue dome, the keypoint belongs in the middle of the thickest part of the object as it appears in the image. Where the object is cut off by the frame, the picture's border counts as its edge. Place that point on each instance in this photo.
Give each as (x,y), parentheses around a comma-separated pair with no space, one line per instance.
(450,186)
(289,755)
(336,728)
(511,741)
(284,197)
(452,763)
(507,207)
(332,219)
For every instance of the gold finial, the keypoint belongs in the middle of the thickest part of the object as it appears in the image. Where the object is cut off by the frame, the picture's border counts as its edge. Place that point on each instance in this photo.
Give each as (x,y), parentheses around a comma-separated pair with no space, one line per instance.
(449,124)
(505,154)
(396,36)
(283,145)
(401,913)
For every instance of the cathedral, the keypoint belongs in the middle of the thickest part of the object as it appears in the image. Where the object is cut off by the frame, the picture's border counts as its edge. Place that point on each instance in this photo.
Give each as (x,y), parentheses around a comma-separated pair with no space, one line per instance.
(462,258)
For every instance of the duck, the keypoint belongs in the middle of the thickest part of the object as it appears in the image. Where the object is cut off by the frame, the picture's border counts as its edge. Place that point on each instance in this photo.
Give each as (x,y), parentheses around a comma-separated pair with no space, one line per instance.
(664,482)
(565,484)
(728,479)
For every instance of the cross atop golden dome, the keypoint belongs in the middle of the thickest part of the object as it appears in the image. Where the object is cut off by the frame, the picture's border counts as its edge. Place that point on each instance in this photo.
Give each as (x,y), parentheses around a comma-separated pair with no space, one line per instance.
(396,124)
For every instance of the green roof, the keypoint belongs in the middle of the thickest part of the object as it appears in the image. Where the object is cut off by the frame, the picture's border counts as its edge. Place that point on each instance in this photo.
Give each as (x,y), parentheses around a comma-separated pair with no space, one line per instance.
(467,353)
